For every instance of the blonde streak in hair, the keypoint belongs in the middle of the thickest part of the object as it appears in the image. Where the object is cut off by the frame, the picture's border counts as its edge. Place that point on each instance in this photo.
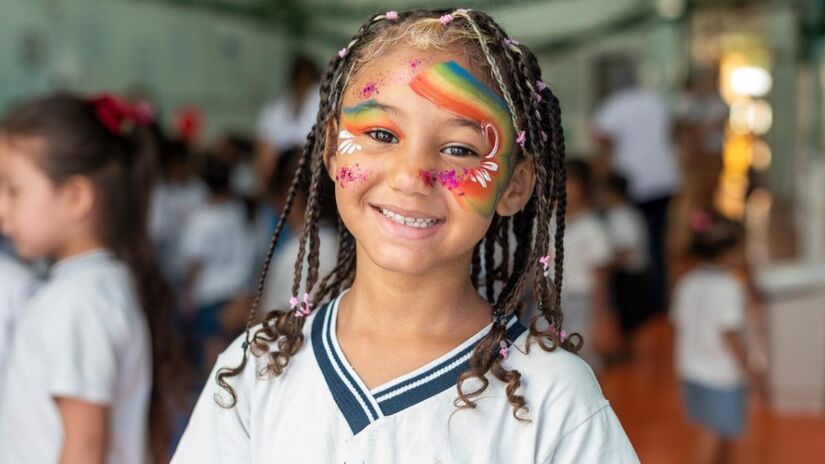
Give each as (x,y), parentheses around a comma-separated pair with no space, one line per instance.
(493,66)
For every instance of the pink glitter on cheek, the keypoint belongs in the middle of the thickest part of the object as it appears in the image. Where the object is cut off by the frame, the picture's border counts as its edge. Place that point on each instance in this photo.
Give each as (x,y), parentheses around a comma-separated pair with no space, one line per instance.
(429,178)
(449,179)
(414,64)
(349,175)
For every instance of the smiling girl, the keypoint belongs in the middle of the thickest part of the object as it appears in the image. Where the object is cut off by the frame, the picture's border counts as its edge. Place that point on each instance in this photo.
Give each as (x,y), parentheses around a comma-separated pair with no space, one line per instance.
(440,137)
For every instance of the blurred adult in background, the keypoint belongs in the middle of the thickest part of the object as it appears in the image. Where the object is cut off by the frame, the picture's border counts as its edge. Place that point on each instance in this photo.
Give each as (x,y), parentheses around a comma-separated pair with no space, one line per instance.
(633,132)
(284,123)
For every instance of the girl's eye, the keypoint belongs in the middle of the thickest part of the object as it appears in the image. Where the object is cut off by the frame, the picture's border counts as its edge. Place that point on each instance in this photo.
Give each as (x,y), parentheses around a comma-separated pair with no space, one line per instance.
(458,151)
(383,136)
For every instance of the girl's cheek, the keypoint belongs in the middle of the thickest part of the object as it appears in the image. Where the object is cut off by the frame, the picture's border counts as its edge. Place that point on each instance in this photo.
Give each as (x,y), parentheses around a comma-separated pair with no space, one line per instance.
(351,176)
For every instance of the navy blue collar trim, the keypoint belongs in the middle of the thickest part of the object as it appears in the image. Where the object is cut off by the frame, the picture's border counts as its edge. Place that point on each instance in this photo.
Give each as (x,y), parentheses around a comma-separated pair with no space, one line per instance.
(360,406)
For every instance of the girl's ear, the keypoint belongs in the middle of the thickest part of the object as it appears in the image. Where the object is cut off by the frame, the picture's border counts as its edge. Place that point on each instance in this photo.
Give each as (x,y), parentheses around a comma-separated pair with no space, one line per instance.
(519,190)
(331,148)
(78,196)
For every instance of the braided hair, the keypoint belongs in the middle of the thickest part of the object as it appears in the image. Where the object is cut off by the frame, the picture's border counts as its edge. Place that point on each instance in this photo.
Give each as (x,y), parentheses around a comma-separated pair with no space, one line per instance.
(535,113)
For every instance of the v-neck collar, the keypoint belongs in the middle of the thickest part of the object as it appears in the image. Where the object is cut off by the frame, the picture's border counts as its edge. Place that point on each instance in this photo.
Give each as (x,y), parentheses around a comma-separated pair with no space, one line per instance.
(361,406)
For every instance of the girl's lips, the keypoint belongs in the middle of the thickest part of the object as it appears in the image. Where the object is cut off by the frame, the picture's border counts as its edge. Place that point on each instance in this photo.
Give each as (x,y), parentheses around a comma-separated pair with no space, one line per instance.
(404,231)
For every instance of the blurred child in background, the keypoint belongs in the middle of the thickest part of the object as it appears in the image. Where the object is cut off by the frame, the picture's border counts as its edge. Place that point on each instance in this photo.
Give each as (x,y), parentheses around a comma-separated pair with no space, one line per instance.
(93,345)
(587,257)
(627,233)
(174,199)
(217,253)
(709,310)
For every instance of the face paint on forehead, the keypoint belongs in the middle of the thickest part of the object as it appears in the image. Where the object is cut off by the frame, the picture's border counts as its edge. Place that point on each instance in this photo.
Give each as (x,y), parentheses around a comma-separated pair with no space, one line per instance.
(367,115)
(455,89)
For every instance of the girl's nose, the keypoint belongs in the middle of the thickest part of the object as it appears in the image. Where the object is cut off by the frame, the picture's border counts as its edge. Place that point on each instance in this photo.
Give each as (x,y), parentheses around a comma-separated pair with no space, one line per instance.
(411,171)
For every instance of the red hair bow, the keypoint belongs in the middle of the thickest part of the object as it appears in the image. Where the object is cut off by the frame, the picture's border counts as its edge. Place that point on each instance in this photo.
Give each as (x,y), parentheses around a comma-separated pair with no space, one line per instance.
(119,116)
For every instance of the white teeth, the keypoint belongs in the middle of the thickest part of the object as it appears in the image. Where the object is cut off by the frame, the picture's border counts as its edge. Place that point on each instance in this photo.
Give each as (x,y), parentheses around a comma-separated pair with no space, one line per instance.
(422,223)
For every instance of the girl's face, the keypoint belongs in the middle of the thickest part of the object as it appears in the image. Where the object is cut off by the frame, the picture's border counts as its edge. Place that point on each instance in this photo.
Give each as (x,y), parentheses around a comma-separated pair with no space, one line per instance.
(32,212)
(422,159)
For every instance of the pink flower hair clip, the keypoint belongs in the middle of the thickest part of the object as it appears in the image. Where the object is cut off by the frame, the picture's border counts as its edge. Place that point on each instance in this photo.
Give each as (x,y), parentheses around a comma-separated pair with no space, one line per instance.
(503,350)
(545,263)
(561,333)
(540,86)
(391,15)
(511,42)
(302,308)
(522,137)
(342,52)
(446,19)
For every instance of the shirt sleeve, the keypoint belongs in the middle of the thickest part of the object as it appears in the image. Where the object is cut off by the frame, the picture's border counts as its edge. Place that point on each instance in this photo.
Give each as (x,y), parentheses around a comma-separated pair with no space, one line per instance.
(599,438)
(81,343)
(217,434)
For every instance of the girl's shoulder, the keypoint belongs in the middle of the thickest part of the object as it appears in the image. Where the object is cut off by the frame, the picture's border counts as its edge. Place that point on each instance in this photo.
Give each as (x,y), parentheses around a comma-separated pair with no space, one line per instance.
(555,375)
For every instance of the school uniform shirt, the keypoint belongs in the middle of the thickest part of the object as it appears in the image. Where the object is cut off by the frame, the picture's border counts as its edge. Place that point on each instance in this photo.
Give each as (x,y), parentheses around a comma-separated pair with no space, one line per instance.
(16,284)
(218,238)
(627,232)
(320,411)
(83,336)
(708,301)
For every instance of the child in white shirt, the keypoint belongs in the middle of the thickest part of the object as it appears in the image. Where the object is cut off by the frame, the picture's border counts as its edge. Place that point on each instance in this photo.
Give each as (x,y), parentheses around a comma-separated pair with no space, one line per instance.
(587,257)
(627,233)
(217,253)
(396,356)
(93,344)
(708,312)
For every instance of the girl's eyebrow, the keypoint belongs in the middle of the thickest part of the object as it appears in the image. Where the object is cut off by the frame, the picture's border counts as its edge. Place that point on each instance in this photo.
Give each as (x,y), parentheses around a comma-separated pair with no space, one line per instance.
(372,104)
(464,122)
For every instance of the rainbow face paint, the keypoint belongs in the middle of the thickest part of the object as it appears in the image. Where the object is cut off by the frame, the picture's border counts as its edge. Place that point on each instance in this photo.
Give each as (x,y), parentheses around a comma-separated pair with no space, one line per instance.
(453,88)
(367,115)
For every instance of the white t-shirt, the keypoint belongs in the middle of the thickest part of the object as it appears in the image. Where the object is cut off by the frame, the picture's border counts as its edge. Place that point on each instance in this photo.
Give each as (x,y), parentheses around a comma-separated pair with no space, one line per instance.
(279,125)
(219,238)
(320,411)
(278,287)
(708,302)
(639,123)
(83,335)
(586,247)
(16,284)
(627,234)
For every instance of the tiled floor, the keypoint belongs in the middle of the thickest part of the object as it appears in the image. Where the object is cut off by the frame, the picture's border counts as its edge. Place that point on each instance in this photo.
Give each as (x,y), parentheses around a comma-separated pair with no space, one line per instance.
(645,396)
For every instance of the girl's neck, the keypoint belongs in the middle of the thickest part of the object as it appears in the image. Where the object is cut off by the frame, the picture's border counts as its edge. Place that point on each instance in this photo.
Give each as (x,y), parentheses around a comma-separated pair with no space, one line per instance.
(439,303)
(78,247)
